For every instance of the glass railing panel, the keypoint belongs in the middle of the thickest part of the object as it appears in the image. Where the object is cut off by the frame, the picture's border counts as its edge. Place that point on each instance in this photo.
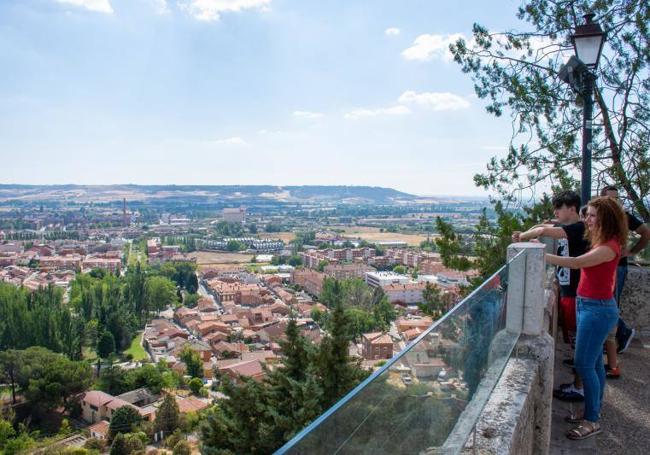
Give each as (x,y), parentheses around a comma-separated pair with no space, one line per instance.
(434,388)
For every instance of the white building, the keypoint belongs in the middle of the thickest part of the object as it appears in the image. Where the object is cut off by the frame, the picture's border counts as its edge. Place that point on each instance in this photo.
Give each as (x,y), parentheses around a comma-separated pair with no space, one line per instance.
(234,215)
(409,293)
(374,279)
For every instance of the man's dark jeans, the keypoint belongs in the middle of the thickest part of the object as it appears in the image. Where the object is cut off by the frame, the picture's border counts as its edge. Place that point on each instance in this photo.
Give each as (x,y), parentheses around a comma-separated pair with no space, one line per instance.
(621,275)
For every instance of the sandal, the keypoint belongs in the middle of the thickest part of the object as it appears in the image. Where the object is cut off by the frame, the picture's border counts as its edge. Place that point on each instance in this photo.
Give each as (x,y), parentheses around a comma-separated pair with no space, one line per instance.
(583,431)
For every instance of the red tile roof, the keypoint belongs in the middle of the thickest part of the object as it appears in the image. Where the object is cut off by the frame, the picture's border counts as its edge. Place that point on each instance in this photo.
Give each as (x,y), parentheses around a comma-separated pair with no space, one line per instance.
(97,398)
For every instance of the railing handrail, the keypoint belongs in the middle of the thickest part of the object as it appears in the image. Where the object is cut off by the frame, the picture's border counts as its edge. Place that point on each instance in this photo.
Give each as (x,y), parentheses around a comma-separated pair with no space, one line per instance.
(351,394)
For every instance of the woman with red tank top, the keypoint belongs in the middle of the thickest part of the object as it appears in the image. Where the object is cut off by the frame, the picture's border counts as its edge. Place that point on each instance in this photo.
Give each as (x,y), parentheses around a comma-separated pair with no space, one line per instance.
(597,312)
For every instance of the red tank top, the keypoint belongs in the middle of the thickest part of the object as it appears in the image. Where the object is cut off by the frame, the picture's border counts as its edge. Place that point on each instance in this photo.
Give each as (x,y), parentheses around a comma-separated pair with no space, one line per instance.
(598,282)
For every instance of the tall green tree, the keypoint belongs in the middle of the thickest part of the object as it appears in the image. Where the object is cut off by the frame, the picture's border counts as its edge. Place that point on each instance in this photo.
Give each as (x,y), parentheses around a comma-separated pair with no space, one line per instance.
(193,362)
(124,420)
(296,351)
(10,363)
(336,376)
(46,379)
(160,293)
(105,345)
(384,313)
(451,246)
(516,73)
(432,304)
(239,424)
(168,415)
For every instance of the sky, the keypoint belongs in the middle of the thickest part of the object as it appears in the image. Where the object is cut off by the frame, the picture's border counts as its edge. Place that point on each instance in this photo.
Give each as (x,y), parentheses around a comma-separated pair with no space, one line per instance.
(245,92)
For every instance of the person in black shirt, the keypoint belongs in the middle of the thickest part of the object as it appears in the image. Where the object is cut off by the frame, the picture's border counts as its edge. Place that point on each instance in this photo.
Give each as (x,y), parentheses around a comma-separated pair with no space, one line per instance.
(569,231)
(624,334)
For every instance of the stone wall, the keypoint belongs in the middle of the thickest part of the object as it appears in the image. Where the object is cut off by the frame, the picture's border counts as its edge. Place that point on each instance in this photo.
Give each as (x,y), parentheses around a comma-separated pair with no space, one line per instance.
(517,418)
(635,301)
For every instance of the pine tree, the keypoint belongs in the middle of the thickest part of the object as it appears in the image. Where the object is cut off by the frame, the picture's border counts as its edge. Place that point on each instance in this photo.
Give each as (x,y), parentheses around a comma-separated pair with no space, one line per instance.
(193,363)
(337,377)
(123,420)
(240,424)
(167,417)
(296,351)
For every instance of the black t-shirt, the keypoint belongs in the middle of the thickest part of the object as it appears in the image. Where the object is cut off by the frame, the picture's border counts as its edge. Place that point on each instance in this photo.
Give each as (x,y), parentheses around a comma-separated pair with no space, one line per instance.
(633,224)
(574,245)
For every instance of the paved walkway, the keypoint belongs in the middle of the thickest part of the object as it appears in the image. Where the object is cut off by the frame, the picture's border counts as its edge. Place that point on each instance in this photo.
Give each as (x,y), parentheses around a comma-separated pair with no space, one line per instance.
(625,414)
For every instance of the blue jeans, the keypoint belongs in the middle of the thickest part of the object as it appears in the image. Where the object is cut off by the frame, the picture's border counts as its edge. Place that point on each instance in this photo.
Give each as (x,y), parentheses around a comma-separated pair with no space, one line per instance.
(621,275)
(595,319)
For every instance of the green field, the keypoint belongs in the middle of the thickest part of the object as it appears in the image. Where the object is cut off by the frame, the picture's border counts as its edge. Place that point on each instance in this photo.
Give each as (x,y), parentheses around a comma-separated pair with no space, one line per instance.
(136,350)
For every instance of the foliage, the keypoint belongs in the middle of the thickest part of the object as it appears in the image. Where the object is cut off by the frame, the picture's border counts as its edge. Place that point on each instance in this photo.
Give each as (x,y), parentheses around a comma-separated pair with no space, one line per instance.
(432,304)
(20,443)
(451,247)
(181,273)
(38,318)
(7,432)
(105,345)
(384,312)
(235,245)
(193,362)
(227,229)
(191,300)
(258,418)
(173,439)
(124,420)
(333,361)
(365,310)
(517,74)
(295,260)
(182,448)
(95,444)
(160,293)
(195,385)
(47,379)
(127,443)
(115,380)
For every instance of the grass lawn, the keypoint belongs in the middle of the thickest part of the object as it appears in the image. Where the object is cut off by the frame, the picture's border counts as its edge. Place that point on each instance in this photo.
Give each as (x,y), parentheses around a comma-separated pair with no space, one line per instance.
(136,350)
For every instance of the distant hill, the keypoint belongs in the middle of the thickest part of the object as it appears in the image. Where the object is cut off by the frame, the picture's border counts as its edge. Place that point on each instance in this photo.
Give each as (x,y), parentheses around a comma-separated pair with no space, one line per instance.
(206,193)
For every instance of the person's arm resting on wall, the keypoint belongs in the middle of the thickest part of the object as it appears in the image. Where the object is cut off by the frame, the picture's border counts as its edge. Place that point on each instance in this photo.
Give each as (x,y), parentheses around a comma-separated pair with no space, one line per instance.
(545,230)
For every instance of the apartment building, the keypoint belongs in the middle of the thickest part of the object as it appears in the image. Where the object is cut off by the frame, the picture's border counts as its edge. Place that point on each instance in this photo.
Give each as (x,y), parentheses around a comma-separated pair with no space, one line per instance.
(381,279)
(310,280)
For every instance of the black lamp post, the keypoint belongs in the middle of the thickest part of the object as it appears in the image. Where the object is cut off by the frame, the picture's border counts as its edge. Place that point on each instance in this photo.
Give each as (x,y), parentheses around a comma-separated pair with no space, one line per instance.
(579,72)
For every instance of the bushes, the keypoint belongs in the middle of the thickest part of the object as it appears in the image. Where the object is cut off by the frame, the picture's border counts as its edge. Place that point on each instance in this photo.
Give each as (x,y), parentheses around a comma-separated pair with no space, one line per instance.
(182,448)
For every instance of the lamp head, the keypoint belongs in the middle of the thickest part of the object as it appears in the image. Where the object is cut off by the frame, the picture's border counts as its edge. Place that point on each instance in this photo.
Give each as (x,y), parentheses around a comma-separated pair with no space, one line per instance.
(588,41)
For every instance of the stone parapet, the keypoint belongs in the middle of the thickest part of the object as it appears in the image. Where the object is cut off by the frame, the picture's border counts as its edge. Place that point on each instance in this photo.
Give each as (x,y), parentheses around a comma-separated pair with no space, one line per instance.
(635,301)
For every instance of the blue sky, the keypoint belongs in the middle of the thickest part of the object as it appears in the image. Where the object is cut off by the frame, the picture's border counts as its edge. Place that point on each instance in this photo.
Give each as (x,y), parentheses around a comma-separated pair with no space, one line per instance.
(244,92)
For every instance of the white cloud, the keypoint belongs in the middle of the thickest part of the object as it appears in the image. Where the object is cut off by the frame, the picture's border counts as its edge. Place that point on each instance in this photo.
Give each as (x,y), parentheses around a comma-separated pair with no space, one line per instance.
(210,10)
(99,6)
(429,47)
(437,101)
(356,114)
(235,140)
(307,114)
(391,31)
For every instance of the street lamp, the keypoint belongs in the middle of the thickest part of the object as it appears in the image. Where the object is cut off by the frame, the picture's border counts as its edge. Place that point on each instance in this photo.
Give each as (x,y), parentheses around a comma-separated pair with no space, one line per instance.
(588,40)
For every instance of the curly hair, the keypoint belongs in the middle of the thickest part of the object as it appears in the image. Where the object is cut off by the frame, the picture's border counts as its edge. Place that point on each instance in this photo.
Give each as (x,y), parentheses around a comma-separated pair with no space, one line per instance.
(612,221)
